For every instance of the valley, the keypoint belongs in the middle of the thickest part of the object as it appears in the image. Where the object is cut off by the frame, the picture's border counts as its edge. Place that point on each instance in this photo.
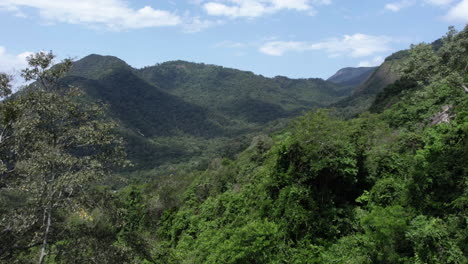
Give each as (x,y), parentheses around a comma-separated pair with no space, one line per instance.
(186,162)
(179,114)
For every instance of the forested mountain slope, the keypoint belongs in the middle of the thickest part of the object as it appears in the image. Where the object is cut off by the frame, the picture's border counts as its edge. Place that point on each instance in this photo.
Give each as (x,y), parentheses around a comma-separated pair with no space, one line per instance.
(241,94)
(352,76)
(381,188)
(176,111)
(364,94)
(388,186)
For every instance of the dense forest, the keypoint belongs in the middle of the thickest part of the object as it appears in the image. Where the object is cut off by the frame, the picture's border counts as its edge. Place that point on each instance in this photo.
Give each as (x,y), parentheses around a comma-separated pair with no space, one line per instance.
(376,175)
(182,112)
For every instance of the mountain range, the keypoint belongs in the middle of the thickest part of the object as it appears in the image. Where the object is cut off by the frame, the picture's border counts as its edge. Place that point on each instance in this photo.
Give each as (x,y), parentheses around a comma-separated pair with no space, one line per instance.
(228,169)
(216,109)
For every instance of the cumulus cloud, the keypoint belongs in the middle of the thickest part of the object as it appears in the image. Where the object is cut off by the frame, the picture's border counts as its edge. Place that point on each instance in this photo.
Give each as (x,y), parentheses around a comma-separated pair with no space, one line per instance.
(11,8)
(257,8)
(397,6)
(112,14)
(439,2)
(357,45)
(376,61)
(196,24)
(459,12)
(12,64)
(322,2)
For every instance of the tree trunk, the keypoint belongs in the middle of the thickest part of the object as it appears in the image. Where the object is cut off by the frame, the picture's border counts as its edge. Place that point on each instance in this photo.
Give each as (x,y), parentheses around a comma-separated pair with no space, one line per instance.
(46,234)
(465,88)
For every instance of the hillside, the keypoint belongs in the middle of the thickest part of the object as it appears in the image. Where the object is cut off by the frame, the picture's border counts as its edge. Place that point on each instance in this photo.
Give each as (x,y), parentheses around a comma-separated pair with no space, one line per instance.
(240,94)
(365,93)
(190,112)
(387,186)
(352,77)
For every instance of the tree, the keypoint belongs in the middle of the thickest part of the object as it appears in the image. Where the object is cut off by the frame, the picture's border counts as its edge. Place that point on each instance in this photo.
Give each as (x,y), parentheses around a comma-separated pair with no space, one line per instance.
(5,90)
(55,144)
(428,63)
(5,85)
(423,65)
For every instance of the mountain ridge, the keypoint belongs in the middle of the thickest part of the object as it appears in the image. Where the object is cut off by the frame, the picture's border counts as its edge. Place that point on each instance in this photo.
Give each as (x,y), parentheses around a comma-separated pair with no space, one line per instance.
(181,99)
(352,76)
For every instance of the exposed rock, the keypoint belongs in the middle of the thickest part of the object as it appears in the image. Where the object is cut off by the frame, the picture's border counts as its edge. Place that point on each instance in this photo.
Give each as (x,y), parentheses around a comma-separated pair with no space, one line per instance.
(442,117)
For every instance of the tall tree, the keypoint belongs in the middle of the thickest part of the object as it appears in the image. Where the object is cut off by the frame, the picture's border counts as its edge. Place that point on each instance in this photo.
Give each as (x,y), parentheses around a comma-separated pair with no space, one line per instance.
(5,85)
(56,144)
(5,90)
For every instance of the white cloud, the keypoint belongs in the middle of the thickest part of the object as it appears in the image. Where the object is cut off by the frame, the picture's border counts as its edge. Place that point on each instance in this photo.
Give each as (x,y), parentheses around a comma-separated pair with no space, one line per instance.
(459,12)
(196,24)
(397,6)
(278,48)
(439,2)
(112,14)
(244,9)
(12,64)
(357,45)
(230,44)
(322,2)
(257,8)
(11,8)
(376,61)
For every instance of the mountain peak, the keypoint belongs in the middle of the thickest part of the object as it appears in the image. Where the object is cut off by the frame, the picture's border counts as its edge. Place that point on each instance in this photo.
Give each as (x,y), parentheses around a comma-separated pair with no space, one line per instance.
(95,66)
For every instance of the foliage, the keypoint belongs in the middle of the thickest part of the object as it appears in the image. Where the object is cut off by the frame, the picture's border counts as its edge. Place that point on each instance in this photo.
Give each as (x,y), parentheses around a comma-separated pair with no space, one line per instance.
(385,187)
(352,77)
(364,95)
(180,114)
(5,86)
(53,148)
(388,187)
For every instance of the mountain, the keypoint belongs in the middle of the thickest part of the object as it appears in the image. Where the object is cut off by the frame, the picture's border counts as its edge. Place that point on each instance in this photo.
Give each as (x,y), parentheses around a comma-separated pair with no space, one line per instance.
(143,108)
(364,96)
(96,66)
(351,76)
(163,107)
(239,94)
(365,93)
(388,186)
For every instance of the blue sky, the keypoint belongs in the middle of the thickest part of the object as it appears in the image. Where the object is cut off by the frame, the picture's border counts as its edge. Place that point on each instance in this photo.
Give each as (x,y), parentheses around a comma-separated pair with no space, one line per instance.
(294,38)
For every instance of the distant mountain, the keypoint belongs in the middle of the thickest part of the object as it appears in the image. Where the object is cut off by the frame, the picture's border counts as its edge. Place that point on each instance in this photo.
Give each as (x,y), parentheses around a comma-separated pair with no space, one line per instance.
(139,105)
(241,94)
(364,96)
(352,76)
(96,66)
(211,107)
(365,93)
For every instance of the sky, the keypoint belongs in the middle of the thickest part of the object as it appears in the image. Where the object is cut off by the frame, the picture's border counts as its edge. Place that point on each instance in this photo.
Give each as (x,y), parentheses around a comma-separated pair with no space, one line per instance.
(294,38)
